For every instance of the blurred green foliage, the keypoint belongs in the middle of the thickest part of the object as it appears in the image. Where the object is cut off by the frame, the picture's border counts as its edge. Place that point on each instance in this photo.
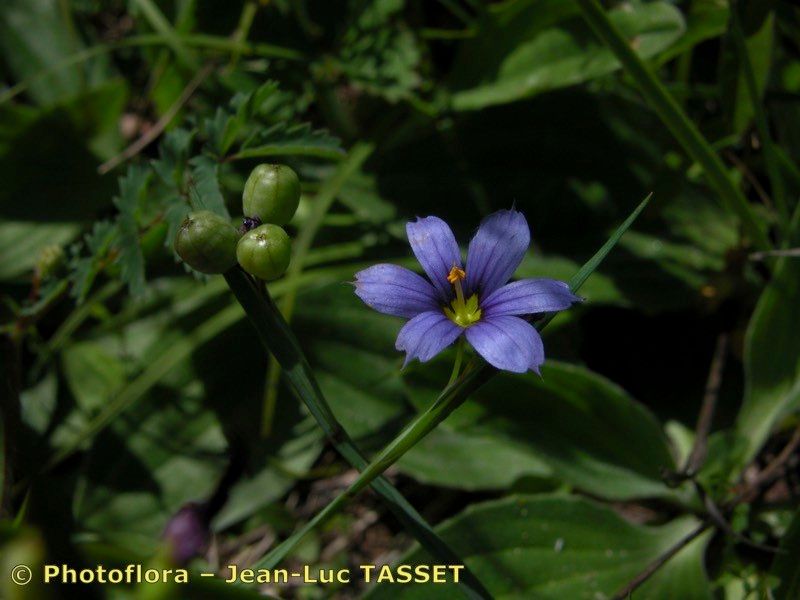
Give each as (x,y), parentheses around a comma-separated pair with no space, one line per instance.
(131,387)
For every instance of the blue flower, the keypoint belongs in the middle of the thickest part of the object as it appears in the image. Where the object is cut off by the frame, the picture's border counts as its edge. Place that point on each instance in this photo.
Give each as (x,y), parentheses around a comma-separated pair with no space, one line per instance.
(475,300)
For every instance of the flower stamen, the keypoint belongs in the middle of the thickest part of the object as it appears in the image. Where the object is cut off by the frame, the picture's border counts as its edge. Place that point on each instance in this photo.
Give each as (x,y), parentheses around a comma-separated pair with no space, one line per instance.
(462,312)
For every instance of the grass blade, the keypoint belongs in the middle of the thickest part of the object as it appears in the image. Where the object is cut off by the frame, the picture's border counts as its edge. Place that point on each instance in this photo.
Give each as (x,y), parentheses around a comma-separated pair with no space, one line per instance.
(759,116)
(673,116)
(278,338)
(474,376)
(305,238)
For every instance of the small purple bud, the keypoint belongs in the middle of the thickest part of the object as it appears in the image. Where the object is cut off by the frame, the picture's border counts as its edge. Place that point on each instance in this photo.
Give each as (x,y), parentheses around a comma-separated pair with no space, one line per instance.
(187,533)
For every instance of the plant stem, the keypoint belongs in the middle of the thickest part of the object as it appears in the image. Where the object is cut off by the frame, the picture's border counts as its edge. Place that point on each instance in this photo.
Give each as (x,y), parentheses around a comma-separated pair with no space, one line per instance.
(626,592)
(324,200)
(673,117)
(697,456)
(473,377)
(278,339)
(243,30)
(457,364)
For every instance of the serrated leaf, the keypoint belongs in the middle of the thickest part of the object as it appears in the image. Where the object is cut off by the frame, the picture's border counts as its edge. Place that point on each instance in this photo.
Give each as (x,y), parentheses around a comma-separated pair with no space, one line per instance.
(131,260)
(289,140)
(206,194)
(173,155)
(379,53)
(85,268)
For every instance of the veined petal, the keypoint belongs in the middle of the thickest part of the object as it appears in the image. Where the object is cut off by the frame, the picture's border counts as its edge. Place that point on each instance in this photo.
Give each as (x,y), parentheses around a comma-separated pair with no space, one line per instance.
(507,343)
(527,297)
(496,251)
(394,290)
(426,335)
(436,249)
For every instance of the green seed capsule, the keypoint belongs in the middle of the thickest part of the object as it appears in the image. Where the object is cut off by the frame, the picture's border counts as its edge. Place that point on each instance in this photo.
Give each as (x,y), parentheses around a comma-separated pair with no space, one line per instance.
(264,252)
(207,242)
(271,193)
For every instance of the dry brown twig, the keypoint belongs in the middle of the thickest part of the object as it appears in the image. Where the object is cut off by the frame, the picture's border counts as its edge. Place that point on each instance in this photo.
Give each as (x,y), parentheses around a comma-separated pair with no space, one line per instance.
(158,128)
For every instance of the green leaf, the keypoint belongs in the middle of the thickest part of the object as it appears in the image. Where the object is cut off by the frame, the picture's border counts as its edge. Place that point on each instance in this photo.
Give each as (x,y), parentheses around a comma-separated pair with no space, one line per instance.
(556,547)
(291,140)
(86,268)
(735,96)
(570,425)
(772,358)
(33,36)
(21,241)
(379,53)
(207,194)
(476,374)
(93,374)
(278,338)
(786,567)
(132,190)
(354,360)
(526,48)
(676,120)
(146,466)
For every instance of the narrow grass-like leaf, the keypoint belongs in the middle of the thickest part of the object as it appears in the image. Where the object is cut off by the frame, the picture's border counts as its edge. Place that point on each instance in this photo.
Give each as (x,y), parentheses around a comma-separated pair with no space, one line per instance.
(759,116)
(475,375)
(676,120)
(278,338)
(305,238)
(152,13)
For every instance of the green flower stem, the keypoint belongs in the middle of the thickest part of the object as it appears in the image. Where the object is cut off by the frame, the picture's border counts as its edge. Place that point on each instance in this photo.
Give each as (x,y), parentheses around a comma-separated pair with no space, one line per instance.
(278,338)
(457,364)
(305,238)
(474,376)
(671,114)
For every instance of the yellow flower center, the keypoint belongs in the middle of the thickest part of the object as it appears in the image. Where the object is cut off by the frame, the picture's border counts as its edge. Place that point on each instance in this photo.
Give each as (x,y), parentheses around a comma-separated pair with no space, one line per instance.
(462,312)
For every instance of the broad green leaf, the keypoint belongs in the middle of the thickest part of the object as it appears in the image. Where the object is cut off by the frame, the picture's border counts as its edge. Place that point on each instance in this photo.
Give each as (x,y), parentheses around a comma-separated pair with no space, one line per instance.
(570,426)
(170,443)
(21,241)
(772,358)
(526,48)
(786,567)
(149,463)
(705,19)
(33,36)
(93,374)
(556,547)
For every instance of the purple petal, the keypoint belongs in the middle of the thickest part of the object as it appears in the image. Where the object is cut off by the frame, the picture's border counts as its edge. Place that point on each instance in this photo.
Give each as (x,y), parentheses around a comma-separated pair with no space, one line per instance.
(507,343)
(426,335)
(496,251)
(396,291)
(527,297)
(436,249)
